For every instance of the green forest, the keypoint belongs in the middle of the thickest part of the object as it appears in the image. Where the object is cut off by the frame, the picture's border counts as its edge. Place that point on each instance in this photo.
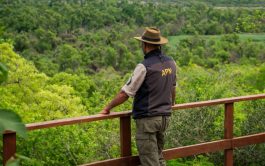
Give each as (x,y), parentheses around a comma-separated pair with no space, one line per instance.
(69,58)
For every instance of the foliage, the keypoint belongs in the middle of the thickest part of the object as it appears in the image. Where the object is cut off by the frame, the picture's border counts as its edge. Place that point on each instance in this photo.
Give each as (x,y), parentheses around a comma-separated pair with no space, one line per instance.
(198,161)
(3,73)
(11,121)
(86,36)
(37,97)
(210,52)
(234,2)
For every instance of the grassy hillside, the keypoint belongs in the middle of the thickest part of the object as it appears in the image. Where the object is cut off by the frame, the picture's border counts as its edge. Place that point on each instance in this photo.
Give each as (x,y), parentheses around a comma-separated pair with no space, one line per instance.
(254,37)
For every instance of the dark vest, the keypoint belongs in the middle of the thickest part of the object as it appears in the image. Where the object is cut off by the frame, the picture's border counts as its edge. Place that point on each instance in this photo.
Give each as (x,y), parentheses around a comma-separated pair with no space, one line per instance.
(154,97)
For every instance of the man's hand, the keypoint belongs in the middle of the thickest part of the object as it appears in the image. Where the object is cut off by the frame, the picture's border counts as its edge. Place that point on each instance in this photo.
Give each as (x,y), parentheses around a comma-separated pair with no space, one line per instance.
(105,111)
(120,98)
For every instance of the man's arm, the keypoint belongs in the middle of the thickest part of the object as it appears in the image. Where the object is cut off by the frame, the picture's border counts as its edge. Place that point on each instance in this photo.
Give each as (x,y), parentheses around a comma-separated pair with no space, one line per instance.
(173,95)
(129,89)
(120,98)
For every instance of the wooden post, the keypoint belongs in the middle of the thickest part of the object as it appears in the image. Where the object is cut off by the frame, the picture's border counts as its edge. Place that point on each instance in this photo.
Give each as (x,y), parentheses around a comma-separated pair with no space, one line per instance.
(9,146)
(228,133)
(125,136)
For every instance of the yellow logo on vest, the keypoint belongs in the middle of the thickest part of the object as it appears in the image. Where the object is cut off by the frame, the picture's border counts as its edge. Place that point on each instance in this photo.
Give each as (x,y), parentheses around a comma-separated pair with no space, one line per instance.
(166,72)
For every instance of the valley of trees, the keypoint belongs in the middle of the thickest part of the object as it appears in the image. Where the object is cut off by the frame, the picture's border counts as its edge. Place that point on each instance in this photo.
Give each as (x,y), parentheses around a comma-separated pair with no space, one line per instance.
(68,58)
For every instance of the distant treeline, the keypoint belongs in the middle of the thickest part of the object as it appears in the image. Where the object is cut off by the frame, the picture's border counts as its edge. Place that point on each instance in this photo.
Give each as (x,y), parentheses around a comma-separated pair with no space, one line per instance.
(84,36)
(236,2)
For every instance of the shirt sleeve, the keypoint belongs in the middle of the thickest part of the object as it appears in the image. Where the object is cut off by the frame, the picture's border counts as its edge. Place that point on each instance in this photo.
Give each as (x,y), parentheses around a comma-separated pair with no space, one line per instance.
(135,81)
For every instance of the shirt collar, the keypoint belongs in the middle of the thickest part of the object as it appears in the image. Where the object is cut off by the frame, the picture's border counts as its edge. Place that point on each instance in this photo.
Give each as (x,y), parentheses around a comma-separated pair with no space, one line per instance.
(152,53)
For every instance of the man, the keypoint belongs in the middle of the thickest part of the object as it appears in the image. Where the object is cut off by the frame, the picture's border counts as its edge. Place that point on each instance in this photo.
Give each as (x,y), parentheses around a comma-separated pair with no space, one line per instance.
(153,87)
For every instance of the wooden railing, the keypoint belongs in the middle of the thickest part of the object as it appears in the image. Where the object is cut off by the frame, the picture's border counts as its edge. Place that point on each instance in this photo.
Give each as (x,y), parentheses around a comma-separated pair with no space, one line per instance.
(227,144)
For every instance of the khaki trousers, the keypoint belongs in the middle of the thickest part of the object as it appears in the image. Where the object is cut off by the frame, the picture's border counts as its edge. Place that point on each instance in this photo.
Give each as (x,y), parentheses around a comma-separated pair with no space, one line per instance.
(150,133)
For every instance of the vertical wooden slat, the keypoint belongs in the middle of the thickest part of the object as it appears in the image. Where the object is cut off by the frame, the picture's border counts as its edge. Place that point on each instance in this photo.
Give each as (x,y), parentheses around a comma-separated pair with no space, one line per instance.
(9,146)
(125,136)
(228,125)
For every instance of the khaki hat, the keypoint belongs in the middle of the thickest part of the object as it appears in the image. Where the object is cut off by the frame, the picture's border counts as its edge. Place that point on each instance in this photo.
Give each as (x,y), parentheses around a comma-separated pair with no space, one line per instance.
(152,36)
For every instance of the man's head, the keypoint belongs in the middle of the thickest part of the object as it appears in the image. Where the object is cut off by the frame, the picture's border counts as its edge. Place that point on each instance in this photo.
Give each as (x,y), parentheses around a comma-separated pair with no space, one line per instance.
(151,39)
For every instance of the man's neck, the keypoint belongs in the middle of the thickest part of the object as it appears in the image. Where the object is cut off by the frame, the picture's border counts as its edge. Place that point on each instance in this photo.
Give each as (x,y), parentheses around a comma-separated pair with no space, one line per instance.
(150,49)
(152,53)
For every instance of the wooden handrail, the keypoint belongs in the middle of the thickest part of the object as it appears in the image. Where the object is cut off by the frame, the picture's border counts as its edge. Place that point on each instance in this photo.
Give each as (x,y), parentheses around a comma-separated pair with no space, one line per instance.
(217,101)
(76,120)
(227,144)
(91,118)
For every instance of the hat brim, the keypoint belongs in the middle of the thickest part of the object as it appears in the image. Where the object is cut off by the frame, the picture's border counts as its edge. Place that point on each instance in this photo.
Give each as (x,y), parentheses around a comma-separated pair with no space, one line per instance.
(162,41)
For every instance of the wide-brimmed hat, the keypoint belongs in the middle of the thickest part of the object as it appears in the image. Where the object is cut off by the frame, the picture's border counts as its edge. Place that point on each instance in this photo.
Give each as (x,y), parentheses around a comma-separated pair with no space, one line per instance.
(152,36)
